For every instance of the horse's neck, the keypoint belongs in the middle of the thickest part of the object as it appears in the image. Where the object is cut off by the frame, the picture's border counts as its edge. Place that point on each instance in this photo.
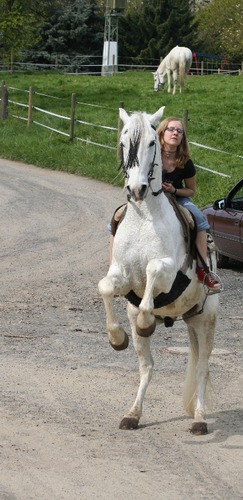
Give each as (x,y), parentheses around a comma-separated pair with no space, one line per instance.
(162,66)
(152,207)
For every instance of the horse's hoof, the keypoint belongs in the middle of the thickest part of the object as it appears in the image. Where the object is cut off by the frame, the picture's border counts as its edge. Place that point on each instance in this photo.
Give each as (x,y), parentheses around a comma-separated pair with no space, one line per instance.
(122,346)
(128,423)
(199,428)
(146,332)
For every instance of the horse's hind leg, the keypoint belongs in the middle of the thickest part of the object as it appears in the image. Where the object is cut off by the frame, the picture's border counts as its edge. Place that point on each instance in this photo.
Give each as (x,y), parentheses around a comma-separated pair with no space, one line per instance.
(142,348)
(117,336)
(197,385)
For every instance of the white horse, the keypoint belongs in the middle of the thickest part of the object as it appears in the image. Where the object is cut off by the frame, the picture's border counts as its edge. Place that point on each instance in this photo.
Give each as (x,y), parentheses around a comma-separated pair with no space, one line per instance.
(150,259)
(177,61)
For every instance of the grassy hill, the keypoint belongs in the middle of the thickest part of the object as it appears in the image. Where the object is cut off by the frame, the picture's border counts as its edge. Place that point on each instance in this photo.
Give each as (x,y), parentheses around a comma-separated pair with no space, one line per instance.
(213,104)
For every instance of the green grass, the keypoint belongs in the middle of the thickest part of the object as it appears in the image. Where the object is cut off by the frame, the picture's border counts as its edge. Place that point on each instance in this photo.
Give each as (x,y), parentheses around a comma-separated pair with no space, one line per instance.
(214,105)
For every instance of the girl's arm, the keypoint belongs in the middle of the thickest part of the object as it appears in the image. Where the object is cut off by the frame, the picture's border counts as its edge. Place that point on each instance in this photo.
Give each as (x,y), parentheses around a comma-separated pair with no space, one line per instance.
(190,188)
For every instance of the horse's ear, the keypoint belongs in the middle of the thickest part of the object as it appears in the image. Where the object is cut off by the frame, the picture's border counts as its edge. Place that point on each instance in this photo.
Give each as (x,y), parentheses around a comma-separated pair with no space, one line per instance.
(156,117)
(123,115)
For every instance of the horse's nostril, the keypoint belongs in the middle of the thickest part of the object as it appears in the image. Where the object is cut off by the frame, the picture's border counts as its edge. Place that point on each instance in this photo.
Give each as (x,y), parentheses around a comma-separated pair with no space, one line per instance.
(137,194)
(142,191)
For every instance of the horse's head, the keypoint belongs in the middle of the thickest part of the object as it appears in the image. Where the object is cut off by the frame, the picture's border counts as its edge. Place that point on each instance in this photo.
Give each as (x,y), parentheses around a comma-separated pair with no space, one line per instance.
(162,80)
(157,82)
(159,75)
(140,152)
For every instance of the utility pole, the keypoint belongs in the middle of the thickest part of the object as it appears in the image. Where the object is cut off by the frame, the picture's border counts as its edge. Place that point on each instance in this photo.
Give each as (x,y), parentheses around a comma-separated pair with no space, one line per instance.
(114,10)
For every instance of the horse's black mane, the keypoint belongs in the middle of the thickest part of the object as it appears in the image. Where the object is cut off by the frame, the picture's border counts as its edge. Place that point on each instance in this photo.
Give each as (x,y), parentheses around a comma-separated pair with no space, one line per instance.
(132,158)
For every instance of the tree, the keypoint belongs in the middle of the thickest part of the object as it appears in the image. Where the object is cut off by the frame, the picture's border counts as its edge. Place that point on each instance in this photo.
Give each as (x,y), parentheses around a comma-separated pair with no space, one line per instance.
(17,26)
(77,28)
(154,29)
(220,28)
(20,20)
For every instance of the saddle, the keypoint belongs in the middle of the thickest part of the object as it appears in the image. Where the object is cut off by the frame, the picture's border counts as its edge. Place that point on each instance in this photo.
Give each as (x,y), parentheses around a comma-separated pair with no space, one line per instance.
(183,214)
(189,227)
(117,217)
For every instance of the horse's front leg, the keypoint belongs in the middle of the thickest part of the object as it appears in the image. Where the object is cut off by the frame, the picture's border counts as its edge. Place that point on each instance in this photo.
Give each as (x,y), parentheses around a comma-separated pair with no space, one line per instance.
(160,274)
(175,81)
(113,284)
(142,348)
(169,81)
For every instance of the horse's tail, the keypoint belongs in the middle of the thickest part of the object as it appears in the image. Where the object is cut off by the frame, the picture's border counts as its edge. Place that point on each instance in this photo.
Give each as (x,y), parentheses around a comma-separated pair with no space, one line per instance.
(190,384)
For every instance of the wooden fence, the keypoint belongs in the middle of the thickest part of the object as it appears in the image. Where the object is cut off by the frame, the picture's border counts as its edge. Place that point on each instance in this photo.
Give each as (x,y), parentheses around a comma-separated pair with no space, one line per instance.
(6,102)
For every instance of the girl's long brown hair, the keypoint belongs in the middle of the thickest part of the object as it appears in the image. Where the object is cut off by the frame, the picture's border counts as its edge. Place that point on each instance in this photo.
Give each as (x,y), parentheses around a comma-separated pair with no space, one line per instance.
(182,151)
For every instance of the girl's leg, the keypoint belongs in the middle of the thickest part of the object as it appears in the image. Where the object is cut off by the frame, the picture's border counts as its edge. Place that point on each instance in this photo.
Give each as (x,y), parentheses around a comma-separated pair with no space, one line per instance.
(201,243)
(206,278)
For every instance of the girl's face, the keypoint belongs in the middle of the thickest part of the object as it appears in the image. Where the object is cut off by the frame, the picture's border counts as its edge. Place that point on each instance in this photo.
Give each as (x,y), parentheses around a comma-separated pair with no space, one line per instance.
(173,133)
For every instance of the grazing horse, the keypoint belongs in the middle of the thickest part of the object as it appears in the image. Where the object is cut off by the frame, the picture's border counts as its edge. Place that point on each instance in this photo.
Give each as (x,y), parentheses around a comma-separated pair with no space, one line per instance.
(150,267)
(177,61)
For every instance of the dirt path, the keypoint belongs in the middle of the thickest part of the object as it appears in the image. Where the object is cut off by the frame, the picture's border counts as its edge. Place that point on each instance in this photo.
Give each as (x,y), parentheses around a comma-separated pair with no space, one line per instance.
(64,390)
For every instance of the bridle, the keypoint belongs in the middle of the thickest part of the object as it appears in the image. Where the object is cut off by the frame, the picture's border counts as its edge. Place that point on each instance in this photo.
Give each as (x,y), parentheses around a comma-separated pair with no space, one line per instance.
(132,161)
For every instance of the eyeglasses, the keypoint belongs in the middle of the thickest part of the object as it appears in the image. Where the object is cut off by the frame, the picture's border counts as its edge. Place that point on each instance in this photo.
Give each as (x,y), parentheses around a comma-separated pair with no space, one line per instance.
(175,129)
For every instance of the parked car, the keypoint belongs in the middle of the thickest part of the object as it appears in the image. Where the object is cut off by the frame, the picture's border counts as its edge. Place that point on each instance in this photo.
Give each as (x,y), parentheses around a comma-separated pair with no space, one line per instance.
(225,217)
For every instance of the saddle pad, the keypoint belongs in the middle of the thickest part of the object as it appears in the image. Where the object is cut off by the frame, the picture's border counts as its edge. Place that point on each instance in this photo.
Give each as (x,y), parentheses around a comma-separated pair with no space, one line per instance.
(164,299)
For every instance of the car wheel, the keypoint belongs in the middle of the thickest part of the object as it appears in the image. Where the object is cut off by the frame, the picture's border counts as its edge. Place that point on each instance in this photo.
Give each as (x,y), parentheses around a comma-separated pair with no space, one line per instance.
(222,260)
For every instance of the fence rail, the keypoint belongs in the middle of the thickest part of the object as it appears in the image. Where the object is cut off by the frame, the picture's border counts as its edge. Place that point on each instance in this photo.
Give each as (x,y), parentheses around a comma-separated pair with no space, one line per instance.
(5,102)
(73,121)
(201,65)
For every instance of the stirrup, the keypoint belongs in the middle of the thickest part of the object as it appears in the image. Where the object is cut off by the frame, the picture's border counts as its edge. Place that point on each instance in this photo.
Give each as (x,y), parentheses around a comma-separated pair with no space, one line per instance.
(211,291)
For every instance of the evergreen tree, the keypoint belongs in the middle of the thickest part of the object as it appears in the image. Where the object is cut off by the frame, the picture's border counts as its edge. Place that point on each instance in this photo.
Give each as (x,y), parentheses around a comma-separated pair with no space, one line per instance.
(156,28)
(74,30)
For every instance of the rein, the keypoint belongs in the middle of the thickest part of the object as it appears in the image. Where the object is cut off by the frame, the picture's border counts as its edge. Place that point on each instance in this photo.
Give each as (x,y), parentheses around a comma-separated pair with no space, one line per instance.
(150,174)
(156,193)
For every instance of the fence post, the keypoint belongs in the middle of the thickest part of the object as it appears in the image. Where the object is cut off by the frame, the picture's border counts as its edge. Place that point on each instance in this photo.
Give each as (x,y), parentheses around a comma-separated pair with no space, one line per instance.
(119,131)
(113,64)
(185,119)
(201,67)
(30,105)
(11,61)
(72,117)
(4,102)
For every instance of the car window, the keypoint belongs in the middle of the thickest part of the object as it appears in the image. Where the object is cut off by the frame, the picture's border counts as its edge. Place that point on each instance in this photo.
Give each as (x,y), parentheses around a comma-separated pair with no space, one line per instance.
(237,200)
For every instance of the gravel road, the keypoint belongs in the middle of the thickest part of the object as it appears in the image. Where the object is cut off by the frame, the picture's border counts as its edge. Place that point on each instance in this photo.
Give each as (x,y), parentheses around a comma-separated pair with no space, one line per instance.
(63,388)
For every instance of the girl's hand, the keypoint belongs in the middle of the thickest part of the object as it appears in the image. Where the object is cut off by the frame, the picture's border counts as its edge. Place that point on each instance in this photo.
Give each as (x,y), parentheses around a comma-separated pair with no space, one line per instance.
(168,187)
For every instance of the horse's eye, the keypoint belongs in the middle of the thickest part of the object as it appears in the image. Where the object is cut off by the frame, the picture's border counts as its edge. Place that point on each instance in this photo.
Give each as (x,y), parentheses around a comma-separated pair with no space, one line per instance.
(152,143)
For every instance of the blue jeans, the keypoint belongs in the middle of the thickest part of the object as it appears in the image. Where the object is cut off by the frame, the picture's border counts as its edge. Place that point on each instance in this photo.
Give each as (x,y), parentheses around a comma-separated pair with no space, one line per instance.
(201,221)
